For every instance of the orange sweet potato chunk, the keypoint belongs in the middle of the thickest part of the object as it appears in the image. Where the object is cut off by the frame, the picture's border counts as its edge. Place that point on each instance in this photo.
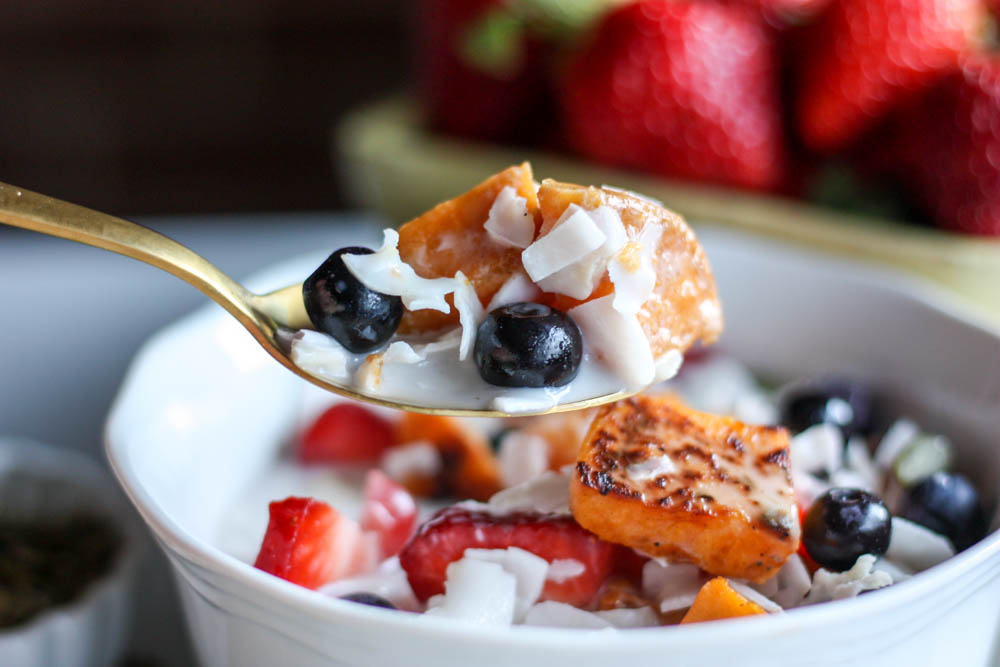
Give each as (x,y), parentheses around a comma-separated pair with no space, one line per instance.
(659,477)
(717,600)
(450,237)
(468,467)
(684,307)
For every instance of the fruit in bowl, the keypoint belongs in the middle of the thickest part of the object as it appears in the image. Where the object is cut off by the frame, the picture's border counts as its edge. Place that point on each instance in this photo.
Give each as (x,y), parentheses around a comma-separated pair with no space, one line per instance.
(241,414)
(667,514)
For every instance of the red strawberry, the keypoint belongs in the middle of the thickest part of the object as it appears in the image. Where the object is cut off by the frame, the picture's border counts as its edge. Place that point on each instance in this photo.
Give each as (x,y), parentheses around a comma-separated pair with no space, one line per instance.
(346,433)
(445,537)
(951,147)
(388,511)
(309,543)
(683,89)
(867,57)
(492,99)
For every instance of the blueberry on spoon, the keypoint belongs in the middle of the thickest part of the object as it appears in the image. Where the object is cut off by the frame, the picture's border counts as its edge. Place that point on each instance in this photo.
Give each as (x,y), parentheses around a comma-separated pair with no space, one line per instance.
(528,345)
(340,305)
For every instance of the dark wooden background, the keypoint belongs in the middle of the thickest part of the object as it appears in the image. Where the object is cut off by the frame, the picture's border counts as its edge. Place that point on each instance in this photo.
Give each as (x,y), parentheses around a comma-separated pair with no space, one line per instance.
(178,106)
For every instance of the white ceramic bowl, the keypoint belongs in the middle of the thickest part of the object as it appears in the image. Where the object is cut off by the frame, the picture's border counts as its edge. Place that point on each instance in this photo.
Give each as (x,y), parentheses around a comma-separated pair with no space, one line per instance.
(203,415)
(42,481)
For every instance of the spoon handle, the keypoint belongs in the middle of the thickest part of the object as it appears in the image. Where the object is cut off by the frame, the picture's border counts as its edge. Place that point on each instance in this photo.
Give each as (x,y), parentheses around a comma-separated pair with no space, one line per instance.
(39,213)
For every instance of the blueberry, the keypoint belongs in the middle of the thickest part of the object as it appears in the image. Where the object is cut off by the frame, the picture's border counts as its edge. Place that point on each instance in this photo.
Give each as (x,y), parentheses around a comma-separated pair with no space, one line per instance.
(340,305)
(843,524)
(836,401)
(369,599)
(948,504)
(528,345)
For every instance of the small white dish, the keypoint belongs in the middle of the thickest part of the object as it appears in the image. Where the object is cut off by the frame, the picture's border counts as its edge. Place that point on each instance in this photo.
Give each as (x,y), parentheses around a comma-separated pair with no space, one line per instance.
(203,414)
(42,481)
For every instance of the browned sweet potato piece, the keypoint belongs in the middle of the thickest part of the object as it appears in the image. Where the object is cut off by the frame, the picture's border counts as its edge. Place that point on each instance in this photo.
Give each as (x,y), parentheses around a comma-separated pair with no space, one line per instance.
(672,482)
(468,467)
(717,600)
(684,307)
(450,237)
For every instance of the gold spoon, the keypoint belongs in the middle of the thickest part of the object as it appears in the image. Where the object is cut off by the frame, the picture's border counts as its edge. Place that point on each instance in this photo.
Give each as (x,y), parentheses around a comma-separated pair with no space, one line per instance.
(265,316)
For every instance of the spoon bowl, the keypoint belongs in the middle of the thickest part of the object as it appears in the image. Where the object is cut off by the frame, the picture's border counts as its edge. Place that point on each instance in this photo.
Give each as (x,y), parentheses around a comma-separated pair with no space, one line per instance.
(270,318)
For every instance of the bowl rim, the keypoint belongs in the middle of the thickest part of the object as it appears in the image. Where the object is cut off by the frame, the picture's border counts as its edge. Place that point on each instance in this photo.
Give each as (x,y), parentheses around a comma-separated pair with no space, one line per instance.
(253,583)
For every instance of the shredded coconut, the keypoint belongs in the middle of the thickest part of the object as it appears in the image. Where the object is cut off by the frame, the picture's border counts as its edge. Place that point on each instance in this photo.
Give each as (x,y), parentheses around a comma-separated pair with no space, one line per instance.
(861,577)
(321,355)
(509,222)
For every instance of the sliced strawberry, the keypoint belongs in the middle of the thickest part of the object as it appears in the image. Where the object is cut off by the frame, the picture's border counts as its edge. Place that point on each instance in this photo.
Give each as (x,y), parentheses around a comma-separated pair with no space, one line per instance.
(445,537)
(346,433)
(389,511)
(629,563)
(309,543)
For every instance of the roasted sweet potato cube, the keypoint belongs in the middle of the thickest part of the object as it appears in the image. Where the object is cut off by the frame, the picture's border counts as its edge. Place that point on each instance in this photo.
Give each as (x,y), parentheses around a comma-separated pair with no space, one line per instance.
(468,467)
(717,600)
(659,477)
(450,237)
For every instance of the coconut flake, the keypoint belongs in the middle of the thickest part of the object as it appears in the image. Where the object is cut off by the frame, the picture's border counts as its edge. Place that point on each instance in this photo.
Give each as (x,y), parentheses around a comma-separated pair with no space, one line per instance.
(470,313)
(564,569)
(412,459)
(579,279)
(320,355)
(616,339)
(632,273)
(896,438)
(672,585)
(859,460)
(528,570)
(384,271)
(477,591)
(574,237)
(915,547)
(667,365)
(829,586)
(819,448)
(547,494)
(400,352)
(523,456)
(516,289)
(509,222)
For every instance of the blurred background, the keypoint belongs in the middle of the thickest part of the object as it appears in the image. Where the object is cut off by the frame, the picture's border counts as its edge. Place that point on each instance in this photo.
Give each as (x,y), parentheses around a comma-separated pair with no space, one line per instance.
(177,107)
(251,131)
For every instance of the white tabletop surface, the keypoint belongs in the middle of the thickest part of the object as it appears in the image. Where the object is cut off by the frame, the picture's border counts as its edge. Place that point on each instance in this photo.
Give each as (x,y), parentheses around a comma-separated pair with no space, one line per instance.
(73,316)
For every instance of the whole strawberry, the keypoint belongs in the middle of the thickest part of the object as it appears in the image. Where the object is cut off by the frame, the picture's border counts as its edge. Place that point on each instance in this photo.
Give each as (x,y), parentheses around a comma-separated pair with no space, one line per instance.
(867,57)
(682,89)
(952,148)
(480,75)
